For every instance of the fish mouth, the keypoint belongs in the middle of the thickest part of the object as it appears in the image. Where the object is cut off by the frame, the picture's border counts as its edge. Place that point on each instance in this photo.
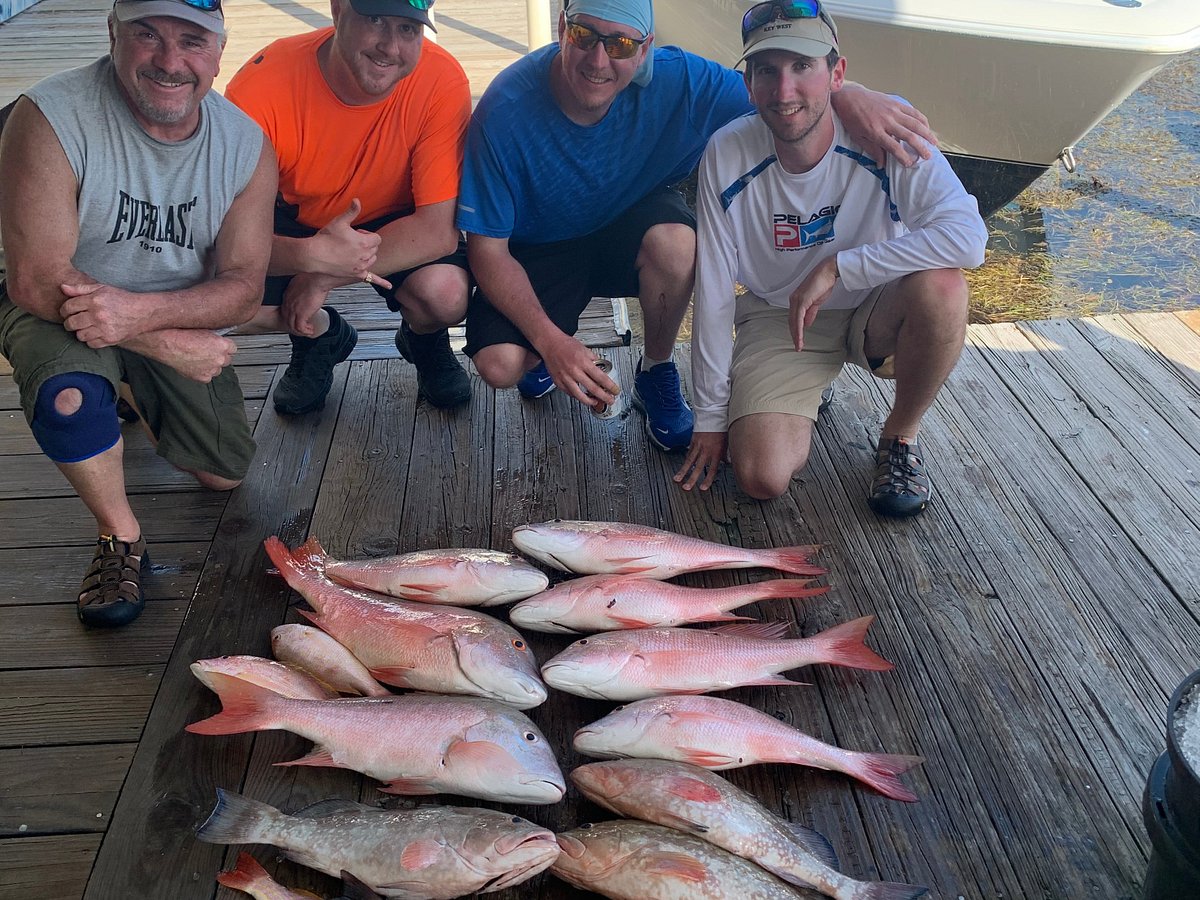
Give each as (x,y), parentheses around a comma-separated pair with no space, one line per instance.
(541,850)
(570,846)
(542,790)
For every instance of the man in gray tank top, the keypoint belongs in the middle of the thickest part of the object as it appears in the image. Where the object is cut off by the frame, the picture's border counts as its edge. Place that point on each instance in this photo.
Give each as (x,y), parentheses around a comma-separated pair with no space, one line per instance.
(135,207)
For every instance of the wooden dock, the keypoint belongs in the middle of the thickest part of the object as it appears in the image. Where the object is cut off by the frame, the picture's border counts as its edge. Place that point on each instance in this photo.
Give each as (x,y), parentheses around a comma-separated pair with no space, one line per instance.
(1039,614)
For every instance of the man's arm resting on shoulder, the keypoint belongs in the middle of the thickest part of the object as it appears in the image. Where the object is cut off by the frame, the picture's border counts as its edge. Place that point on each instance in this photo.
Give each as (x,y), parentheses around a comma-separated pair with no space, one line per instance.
(881,122)
(505,283)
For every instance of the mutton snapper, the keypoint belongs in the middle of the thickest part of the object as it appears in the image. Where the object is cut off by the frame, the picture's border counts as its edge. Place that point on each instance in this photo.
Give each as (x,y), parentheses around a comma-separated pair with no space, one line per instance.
(430,852)
(422,646)
(721,734)
(266,673)
(630,860)
(598,548)
(315,652)
(699,802)
(650,662)
(416,743)
(611,602)
(468,577)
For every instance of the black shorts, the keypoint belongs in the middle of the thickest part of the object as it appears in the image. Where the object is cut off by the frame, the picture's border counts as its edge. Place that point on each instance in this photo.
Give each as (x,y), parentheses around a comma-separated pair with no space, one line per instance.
(286,225)
(565,275)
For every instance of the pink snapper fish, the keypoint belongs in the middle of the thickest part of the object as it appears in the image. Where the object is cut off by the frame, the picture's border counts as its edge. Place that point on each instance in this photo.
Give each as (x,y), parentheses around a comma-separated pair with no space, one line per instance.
(720,734)
(598,548)
(422,646)
(610,602)
(649,662)
(274,676)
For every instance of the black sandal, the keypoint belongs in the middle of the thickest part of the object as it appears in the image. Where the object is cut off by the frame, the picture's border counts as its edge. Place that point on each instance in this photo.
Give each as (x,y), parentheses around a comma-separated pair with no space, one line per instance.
(111,593)
(901,486)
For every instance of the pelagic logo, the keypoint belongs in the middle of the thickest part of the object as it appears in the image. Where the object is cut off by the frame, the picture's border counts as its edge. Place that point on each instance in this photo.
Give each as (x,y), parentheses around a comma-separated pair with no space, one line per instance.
(149,224)
(795,232)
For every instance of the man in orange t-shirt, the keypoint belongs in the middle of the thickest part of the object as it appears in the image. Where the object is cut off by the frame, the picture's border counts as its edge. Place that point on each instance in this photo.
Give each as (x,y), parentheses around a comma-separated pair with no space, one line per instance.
(368,123)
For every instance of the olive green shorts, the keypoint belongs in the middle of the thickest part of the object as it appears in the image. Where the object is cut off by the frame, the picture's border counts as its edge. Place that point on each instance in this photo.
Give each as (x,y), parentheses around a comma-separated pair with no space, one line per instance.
(198,427)
(769,376)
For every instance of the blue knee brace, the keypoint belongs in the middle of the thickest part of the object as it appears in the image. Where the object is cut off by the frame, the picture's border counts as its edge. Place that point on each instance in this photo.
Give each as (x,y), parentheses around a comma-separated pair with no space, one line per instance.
(86,433)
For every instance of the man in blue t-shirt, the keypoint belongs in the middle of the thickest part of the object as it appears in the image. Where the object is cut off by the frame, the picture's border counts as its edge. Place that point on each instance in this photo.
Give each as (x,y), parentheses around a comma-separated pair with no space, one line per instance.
(565,196)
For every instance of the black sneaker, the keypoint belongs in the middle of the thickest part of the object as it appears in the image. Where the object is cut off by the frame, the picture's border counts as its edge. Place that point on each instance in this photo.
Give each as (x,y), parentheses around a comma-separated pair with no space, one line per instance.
(309,376)
(441,379)
(901,487)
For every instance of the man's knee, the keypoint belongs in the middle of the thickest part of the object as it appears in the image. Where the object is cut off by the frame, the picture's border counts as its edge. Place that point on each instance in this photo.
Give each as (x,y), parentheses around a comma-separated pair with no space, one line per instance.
(501,365)
(75,417)
(765,479)
(437,294)
(669,249)
(940,295)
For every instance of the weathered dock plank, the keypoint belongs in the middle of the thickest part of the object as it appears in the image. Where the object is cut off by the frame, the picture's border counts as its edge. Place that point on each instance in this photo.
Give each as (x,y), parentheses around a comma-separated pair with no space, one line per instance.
(60,790)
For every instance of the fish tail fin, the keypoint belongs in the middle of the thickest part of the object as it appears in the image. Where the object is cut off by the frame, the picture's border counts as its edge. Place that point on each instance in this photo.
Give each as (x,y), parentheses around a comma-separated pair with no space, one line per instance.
(237,820)
(879,770)
(780,588)
(844,645)
(796,560)
(247,874)
(244,707)
(296,573)
(312,555)
(888,890)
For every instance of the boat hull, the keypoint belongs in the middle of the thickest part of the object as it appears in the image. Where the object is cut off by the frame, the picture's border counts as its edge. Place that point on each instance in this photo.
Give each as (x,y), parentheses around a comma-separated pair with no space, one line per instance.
(1006,101)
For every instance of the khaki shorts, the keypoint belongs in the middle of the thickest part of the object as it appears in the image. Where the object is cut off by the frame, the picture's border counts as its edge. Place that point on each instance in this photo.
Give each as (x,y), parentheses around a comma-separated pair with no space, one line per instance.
(769,376)
(199,427)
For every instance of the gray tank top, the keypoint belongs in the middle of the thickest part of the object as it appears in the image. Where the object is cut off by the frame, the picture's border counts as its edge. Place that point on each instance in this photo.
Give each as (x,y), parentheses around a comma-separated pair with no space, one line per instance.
(149,211)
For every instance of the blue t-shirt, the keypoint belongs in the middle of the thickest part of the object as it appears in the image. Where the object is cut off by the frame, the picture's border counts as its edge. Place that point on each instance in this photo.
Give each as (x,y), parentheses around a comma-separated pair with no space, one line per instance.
(534,176)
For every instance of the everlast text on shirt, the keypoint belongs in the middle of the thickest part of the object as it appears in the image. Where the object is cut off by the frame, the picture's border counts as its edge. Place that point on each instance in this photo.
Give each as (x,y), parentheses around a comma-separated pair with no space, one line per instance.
(151,224)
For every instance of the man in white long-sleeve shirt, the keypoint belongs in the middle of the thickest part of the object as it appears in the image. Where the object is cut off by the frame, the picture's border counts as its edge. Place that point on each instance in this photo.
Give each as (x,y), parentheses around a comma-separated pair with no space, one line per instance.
(842,261)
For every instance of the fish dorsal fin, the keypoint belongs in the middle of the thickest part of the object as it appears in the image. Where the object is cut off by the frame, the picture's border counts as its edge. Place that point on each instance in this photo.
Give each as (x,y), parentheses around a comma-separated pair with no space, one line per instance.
(332,807)
(762,630)
(678,865)
(420,854)
(814,842)
(687,787)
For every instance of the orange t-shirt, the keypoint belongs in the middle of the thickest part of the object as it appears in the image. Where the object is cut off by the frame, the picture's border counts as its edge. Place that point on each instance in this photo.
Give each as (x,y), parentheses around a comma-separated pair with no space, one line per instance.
(400,153)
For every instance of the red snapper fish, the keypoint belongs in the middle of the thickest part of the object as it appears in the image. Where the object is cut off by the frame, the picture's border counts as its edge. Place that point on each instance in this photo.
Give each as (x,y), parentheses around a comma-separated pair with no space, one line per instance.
(721,734)
(631,860)
(312,650)
(430,853)
(422,646)
(468,577)
(649,662)
(416,743)
(610,602)
(274,676)
(697,801)
(250,877)
(599,548)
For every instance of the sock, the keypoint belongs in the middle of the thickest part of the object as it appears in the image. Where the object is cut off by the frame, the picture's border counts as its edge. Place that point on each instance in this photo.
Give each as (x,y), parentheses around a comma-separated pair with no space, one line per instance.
(647,363)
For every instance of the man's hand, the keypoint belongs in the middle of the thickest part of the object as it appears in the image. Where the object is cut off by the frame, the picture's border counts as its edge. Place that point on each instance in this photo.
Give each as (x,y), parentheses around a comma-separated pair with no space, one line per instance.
(192,352)
(806,299)
(102,315)
(880,123)
(305,295)
(704,456)
(574,370)
(342,250)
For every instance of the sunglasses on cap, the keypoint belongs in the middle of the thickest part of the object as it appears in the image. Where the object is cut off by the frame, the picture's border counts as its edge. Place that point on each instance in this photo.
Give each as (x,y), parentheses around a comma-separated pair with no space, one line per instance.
(617,46)
(763,13)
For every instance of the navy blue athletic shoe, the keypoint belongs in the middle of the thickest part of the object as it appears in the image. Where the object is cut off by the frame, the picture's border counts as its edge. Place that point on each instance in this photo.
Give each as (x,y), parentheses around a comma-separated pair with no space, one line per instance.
(657,393)
(536,382)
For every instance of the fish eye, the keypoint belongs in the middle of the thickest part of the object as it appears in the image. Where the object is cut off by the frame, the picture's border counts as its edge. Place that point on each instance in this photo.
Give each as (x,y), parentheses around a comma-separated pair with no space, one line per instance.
(518,643)
(530,736)
(587,826)
(619,708)
(581,643)
(516,820)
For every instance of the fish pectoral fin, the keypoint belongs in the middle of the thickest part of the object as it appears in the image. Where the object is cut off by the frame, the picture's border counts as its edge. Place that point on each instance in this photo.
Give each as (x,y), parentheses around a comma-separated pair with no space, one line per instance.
(412,786)
(629,622)
(354,888)
(815,843)
(678,865)
(421,588)
(420,854)
(484,754)
(630,565)
(705,758)
(394,675)
(318,756)
(688,788)
(679,823)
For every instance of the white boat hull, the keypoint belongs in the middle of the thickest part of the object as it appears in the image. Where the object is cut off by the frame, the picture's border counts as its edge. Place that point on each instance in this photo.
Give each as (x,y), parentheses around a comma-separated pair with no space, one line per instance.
(1006,99)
